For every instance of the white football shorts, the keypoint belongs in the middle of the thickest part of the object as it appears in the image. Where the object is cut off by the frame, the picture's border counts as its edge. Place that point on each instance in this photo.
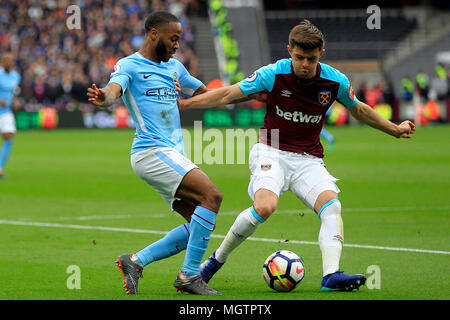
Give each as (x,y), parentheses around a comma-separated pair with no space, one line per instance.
(7,123)
(278,171)
(162,168)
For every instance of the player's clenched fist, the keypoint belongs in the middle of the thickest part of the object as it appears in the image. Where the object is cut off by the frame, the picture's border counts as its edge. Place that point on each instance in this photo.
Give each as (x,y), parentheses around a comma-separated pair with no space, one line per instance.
(407,128)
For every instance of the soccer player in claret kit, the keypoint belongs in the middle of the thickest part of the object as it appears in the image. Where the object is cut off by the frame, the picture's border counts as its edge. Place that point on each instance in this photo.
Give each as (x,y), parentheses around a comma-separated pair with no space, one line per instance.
(289,154)
(149,82)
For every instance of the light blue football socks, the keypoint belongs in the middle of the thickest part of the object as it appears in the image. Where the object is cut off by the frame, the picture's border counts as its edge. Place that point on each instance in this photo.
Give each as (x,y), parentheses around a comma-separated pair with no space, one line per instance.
(5,152)
(201,226)
(174,242)
(326,135)
(193,236)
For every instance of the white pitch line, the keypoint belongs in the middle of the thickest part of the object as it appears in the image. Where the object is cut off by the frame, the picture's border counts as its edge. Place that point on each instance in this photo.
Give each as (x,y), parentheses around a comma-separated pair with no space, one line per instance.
(228,213)
(82,218)
(74,226)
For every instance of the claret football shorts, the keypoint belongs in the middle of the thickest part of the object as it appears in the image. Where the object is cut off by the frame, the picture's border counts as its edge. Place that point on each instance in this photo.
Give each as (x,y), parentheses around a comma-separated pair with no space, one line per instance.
(163,169)
(278,171)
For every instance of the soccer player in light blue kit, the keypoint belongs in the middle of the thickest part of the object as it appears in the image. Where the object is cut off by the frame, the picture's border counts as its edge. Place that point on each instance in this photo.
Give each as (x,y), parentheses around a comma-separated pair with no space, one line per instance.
(146,82)
(9,81)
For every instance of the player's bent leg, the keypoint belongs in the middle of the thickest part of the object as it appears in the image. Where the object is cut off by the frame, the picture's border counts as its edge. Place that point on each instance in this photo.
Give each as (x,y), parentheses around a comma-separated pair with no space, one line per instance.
(197,186)
(185,208)
(175,177)
(331,238)
(265,203)
(331,234)
(172,243)
(244,226)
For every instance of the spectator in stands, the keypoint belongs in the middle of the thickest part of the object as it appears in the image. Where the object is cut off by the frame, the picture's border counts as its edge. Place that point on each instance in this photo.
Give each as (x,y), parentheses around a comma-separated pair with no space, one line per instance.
(441,72)
(448,85)
(56,63)
(407,88)
(360,90)
(438,88)
(422,84)
(374,96)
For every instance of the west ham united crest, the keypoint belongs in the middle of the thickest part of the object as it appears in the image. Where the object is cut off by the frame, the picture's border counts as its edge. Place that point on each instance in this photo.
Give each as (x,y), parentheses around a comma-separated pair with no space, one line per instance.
(324,97)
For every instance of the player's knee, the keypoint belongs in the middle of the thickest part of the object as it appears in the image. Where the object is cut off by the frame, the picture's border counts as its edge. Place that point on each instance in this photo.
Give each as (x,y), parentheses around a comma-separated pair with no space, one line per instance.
(213,199)
(265,208)
(8,135)
(217,197)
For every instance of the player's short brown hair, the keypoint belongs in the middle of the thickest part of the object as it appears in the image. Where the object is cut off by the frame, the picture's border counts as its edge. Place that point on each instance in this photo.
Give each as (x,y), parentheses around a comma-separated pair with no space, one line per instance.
(307,36)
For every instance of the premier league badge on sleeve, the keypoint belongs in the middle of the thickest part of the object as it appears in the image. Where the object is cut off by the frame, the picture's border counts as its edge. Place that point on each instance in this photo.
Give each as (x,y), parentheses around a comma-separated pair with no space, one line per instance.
(324,97)
(116,69)
(252,77)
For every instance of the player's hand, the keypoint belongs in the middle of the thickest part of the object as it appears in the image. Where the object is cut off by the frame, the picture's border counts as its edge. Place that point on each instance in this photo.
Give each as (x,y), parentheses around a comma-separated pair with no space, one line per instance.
(181,104)
(407,128)
(2,103)
(96,96)
(177,86)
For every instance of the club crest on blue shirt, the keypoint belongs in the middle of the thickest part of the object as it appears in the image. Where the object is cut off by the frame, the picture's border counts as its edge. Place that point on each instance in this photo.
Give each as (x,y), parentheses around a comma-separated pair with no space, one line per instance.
(324,97)
(175,76)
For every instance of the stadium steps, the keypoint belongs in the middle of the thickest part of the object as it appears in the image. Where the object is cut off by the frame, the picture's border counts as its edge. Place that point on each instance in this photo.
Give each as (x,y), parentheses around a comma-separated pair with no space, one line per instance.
(205,50)
(437,25)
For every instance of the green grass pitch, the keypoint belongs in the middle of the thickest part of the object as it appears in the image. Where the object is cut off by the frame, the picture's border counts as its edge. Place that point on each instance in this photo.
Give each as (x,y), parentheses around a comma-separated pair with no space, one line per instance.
(72,199)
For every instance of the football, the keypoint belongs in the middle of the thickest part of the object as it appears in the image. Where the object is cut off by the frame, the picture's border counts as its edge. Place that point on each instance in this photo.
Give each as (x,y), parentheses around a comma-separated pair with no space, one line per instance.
(283,270)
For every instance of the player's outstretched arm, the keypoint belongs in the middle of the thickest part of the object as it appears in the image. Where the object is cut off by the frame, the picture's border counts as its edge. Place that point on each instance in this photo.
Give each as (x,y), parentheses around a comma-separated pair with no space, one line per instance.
(366,114)
(214,98)
(104,97)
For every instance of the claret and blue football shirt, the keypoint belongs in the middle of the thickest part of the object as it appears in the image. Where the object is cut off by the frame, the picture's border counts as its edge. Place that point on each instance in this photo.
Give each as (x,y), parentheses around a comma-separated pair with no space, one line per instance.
(295,106)
(148,91)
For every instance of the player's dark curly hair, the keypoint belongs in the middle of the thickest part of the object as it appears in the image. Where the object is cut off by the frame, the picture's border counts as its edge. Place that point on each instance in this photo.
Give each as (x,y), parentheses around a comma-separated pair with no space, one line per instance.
(159,18)
(307,36)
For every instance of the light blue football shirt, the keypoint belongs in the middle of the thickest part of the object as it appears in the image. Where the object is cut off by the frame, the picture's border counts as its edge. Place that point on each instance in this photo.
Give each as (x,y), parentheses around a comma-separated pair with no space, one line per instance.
(148,91)
(9,81)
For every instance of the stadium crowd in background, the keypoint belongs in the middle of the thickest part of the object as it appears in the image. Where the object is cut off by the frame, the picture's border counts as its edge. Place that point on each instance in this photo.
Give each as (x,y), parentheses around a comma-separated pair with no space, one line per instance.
(58,64)
(428,87)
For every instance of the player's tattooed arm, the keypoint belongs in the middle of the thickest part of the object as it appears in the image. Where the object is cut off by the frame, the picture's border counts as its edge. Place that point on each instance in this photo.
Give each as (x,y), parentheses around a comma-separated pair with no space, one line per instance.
(104,97)
(369,116)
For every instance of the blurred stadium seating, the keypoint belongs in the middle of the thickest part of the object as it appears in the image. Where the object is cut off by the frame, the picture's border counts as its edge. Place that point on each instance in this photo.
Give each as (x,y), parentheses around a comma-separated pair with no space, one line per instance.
(346,36)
